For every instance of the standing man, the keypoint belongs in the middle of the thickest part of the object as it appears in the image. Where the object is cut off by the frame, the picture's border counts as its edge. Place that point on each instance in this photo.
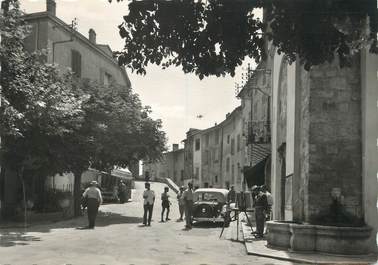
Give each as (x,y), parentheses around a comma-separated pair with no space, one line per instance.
(231,197)
(93,198)
(181,202)
(148,204)
(122,192)
(165,204)
(261,205)
(188,200)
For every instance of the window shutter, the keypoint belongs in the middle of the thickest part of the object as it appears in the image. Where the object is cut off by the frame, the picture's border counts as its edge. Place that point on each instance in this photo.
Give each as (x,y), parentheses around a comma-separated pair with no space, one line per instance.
(76,62)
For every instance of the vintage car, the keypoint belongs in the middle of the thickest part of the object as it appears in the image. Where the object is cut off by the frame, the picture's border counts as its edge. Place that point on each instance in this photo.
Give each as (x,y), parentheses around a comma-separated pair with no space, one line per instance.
(210,205)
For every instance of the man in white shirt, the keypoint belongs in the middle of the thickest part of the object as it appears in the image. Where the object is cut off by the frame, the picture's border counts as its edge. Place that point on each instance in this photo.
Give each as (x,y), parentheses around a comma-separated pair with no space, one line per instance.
(94,199)
(148,204)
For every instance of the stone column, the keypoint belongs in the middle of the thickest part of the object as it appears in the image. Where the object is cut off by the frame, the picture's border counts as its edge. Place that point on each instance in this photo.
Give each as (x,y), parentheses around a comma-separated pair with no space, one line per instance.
(331,156)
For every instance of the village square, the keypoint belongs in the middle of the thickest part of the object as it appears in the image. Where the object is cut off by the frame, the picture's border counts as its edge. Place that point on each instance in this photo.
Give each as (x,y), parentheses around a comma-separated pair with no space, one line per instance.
(188,132)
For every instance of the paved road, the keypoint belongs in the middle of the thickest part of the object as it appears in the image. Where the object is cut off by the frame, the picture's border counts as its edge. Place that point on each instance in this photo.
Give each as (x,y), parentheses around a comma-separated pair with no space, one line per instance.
(119,238)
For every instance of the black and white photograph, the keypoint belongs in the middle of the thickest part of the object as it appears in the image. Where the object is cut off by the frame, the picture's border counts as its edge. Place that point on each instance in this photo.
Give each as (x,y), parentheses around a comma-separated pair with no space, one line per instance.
(188,132)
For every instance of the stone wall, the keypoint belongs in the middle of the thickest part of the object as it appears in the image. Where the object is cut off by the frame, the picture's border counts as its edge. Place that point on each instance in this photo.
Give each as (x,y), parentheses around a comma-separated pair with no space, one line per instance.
(331,155)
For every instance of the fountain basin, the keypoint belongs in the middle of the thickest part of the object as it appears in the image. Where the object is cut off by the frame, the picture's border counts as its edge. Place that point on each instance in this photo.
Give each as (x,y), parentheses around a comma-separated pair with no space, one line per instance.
(328,239)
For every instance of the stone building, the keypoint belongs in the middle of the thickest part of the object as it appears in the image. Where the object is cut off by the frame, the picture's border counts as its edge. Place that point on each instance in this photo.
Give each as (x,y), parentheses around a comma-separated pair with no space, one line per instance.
(255,103)
(70,49)
(214,157)
(192,157)
(170,166)
(324,131)
(232,151)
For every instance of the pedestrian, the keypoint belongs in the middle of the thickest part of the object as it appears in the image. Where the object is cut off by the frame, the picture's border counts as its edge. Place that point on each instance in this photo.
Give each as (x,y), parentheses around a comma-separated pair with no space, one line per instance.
(181,202)
(122,192)
(115,193)
(261,205)
(93,200)
(188,199)
(269,199)
(165,203)
(231,197)
(148,204)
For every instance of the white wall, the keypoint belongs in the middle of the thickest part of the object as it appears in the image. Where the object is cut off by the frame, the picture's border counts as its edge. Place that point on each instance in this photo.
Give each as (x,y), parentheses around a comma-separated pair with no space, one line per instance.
(369,84)
(276,182)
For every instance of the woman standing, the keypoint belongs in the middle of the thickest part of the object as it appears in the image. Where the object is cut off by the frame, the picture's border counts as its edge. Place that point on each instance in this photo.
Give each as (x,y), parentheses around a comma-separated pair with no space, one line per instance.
(94,199)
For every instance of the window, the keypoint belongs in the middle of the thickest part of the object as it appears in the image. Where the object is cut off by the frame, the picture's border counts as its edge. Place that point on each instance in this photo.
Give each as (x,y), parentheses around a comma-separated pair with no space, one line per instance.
(232,146)
(228,139)
(197,144)
(207,139)
(76,63)
(228,164)
(182,175)
(206,157)
(216,136)
(197,173)
(233,173)
(215,155)
(107,79)
(238,174)
(238,143)
(216,179)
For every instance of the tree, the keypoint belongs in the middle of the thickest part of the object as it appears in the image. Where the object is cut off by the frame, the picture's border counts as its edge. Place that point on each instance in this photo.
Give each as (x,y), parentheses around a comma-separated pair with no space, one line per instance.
(39,105)
(213,37)
(116,132)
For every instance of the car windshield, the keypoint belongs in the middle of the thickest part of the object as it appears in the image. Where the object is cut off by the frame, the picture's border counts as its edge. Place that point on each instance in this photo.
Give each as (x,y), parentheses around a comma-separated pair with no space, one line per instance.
(209,197)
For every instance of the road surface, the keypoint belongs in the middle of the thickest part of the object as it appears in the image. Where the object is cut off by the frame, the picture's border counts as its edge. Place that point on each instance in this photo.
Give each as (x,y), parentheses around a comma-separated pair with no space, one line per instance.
(119,238)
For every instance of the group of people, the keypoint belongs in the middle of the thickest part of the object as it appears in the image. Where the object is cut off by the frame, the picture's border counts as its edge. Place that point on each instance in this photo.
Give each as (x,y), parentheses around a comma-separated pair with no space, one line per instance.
(262,202)
(185,202)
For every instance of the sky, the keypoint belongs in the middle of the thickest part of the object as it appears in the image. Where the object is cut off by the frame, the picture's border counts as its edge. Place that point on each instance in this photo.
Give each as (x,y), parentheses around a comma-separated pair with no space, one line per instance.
(175,98)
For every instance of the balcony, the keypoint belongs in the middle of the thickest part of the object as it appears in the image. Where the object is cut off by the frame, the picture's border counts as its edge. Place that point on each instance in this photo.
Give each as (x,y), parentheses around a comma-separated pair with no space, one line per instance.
(258,132)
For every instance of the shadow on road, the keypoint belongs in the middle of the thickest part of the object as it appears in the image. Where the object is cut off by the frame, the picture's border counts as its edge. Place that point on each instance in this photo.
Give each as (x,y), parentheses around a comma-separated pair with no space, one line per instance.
(207,225)
(19,236)
(10,239)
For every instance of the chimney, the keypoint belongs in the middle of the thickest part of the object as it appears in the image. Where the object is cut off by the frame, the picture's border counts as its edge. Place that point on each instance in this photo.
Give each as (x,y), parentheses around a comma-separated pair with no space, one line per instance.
(228,114)
(51,7)
(175,147)
(92,36)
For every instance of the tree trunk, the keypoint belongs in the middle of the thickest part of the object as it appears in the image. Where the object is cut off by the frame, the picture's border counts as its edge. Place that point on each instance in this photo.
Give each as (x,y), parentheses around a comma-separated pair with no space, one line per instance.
(77,194)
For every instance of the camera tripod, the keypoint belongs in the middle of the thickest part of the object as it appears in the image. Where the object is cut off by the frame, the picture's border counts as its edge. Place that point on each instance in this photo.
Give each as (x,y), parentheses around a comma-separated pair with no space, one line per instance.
(236,218)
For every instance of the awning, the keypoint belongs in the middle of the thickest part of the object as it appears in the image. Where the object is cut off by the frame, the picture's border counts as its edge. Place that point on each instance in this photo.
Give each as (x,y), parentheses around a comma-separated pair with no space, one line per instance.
(255,175)
(122,173)
(259,152)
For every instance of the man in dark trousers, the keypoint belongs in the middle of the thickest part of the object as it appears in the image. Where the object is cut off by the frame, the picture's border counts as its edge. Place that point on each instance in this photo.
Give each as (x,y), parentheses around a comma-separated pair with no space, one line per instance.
(261,205)
(148,204)
(93,199)
(188,199)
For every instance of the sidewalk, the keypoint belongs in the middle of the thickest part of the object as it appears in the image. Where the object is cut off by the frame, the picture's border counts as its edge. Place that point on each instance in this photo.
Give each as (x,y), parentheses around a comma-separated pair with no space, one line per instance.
(259,247)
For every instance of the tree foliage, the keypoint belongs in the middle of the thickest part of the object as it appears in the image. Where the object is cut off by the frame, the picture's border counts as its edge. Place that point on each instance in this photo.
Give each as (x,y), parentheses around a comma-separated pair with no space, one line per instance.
(213,37)
(38,104)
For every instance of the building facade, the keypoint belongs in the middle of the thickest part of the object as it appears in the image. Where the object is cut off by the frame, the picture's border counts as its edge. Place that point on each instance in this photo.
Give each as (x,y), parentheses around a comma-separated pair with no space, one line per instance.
(68,48)
(171,165)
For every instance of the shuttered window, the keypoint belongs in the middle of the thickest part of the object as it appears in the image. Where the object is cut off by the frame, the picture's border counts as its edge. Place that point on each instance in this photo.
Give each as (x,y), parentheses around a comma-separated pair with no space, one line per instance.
(76,63)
